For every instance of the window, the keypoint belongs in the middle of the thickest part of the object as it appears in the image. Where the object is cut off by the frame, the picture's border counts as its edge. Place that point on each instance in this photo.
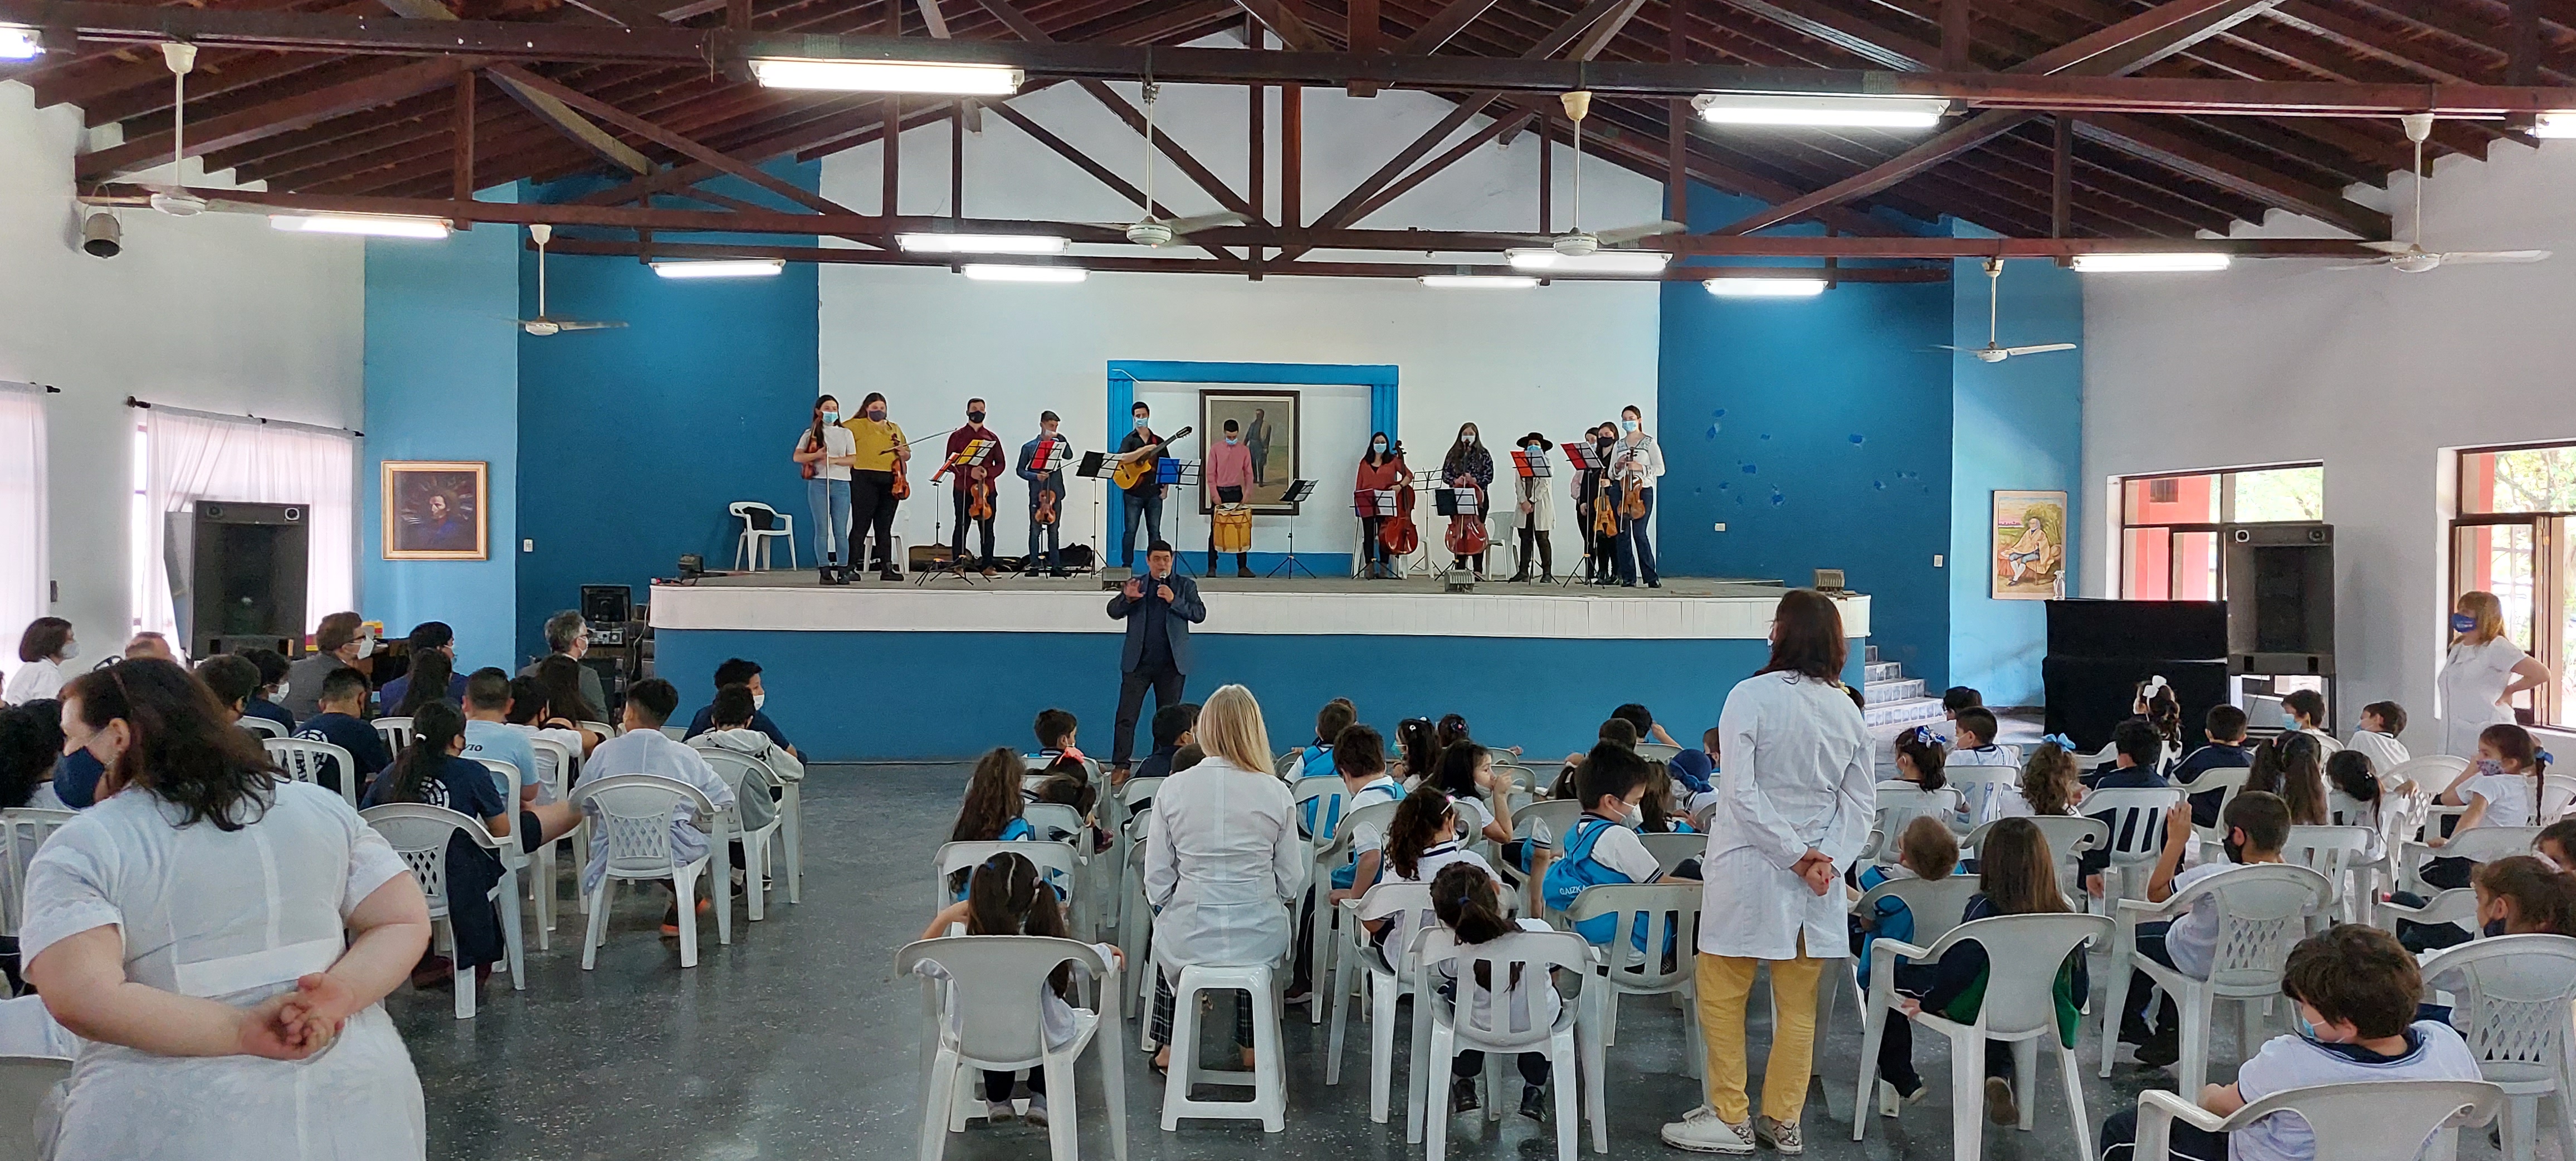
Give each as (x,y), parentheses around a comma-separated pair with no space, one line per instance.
(23,595)
(2169,524)
(181,457)
(2514,535)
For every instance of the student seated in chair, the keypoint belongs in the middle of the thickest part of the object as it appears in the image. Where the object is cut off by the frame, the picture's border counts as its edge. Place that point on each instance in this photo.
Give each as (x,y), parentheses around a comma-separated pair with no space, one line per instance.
(645,749)
(343,698)
(2258,824)
(2138,745)
(2356,991)
(1603,845)
(743,672)
(1316,760)
(1976,726)
(733,732)
(2381,722)
(1055,729)
(233,679)
(2226,750)
(272,667)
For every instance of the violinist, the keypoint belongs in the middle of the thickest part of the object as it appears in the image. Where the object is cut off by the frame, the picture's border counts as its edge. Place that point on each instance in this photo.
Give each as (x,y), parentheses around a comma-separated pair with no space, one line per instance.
(1381,470)
(1597,509)
(971,487)
(1229,472)
(1046,493)
(878,454)
(1469,465)
(1635,464)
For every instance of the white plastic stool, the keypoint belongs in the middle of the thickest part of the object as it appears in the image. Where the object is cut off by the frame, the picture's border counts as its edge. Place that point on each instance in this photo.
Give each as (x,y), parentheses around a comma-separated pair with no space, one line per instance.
(1269,1103)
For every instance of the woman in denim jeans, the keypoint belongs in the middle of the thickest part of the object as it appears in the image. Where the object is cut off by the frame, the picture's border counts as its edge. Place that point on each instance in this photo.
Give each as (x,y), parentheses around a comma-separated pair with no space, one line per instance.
(827,449)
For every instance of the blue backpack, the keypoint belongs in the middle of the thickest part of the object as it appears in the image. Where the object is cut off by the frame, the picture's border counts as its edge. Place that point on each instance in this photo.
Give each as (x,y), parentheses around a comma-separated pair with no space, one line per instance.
(1576,870)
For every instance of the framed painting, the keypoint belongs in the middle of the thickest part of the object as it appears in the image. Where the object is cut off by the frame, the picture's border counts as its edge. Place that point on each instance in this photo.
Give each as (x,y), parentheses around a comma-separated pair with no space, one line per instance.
(1266,426)
(434,510)
(2029,558)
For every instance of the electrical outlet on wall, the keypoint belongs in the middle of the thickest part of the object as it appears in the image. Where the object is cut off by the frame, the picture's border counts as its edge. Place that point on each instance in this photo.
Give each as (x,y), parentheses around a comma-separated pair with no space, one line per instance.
(528,545)
(1721,526)
(1936,560)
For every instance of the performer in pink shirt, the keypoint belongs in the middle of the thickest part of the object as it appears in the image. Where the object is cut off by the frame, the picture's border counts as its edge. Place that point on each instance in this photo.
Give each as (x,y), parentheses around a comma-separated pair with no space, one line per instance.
(1229,471)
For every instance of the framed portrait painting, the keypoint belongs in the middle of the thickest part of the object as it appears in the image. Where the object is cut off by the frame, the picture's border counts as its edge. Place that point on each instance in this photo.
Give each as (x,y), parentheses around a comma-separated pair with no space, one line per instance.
(2028,562)
(434,510)
(1267,423)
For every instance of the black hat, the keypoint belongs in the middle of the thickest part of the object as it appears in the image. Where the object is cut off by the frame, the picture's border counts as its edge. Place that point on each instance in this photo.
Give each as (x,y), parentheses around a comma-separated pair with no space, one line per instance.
(1543,444)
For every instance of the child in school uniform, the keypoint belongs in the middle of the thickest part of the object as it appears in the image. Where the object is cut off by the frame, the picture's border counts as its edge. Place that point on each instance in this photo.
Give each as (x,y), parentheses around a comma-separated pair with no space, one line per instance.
(2351,774)
(2048,786)
(1922,782)
(2501,789)
(2355,990)
(2381,722)
(1976,727)
(644,749)
(2258,823)
(1316,760)
(1421,841)
(2226,750)
(1603,846)
(1925,849)
(2304,711)
(1467,900)
(2557,843)
(1055,729)
(730,729)
(993,808)
(1003,898)
(1359,759)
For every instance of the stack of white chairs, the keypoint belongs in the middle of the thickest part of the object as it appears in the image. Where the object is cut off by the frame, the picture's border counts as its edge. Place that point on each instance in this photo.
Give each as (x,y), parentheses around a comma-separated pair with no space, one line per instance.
(987,1014)
(420,834)
(1502,1029)
(2374,1120)
(633,813)
(2263,910)
(2513,998)
(304,759)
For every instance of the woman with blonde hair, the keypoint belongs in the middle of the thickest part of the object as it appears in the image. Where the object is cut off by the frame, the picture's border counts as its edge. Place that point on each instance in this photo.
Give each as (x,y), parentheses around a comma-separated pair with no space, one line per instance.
(2484,668)
(1223,862)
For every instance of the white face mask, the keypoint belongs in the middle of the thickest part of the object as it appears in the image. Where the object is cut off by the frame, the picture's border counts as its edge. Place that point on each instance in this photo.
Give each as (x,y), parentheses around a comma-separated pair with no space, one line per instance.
(1636,817)
(758,700)
(71,649)
(366,646)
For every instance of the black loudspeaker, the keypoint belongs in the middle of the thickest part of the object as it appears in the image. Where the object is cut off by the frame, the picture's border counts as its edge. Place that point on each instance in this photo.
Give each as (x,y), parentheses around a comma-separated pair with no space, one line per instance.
(247,573)
(609,605)
(2089,695)
(2095,628)
(2280,597)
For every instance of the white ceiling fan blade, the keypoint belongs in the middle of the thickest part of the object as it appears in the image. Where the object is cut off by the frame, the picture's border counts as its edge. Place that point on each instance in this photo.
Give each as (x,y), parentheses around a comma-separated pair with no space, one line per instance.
(2365,264)
(570,325)
(1948,347)
(1626,234)
(2491,257)
(2039,349)
(1198,222)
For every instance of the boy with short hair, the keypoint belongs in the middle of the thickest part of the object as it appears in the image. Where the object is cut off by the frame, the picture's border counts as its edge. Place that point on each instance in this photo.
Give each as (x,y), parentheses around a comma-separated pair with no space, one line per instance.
(1174,727)
(272,668)
(2305,710)
(2258,823)
(2376,736)
(2356,991)
(1365,782)
(2225,750)
(343,698)
(741,671)
(488,734)
(645,749)
(1975,744)
(1316,760)
(1603,846)
(233,679)
(1055,729)
(734,733)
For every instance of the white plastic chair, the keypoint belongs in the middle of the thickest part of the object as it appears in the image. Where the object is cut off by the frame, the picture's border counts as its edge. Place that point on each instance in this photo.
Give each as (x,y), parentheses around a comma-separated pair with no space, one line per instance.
(25,1084)
(1936,905)
(420,833)
(516,861)
(1673,849)
(2557,794)
(1499,1030)
(1899,804)
(1977,786)
(1669,912)
(264,727)
(744,774)
(1053,819)
(761,524)
(2070,837)
(2024,954)
(2228,781)
(23,831)
(556,765)
(2339,853)
(1658,753)
(993,988)
(395,731)
(2479,845)
(2263,909)
(1384,974)
(1330,855)
(632,812)
(2375,1120)
(603,729)
(2513,996)
(1267,1079)
(2457,906)
(304,759)
(2136,817)
(1135,919)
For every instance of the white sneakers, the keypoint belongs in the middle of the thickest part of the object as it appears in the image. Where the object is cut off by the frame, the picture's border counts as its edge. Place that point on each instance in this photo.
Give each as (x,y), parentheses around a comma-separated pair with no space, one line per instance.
(1782,1136)
(1702,1131)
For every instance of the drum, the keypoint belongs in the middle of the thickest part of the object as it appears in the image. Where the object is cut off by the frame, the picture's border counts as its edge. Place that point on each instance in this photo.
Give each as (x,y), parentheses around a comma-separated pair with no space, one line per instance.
(1233,528)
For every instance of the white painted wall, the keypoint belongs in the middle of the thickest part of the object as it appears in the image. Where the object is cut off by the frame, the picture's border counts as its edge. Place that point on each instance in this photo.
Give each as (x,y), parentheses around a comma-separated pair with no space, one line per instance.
(218,313)
(1554,359)
(2373,372)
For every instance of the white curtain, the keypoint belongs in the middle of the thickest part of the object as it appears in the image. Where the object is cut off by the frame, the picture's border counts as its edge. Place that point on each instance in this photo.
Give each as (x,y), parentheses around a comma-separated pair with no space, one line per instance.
(22,513)
(189,456)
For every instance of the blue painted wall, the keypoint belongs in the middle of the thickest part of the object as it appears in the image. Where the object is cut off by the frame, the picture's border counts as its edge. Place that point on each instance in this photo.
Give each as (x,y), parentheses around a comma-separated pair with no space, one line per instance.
(1818,430)
(633,441)
(442,366)
(937,713)
(2017,425)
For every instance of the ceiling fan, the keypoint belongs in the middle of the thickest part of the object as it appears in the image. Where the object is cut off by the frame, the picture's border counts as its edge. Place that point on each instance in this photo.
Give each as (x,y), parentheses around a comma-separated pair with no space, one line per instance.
(1578,241)
(1994,352)
(1154,231)
(543,325)
(176,201)
(2411,257)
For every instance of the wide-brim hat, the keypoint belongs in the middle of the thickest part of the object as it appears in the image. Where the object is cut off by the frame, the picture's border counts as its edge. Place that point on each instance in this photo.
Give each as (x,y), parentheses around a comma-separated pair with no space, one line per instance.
(1543,442)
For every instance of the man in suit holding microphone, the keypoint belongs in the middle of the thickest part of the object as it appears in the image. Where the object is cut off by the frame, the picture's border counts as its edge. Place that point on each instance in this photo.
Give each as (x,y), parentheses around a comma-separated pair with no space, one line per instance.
(1159,609)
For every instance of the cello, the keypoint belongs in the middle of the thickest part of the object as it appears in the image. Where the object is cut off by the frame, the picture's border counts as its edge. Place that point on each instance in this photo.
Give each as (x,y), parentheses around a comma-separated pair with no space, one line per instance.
(1467,535)
(1399,536)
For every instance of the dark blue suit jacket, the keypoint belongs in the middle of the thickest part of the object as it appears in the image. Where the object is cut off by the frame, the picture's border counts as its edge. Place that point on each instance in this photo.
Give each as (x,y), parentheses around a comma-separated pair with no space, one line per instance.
(1185,610)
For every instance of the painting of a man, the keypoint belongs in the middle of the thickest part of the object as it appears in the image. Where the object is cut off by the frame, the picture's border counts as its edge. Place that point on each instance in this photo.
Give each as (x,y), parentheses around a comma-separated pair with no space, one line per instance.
(433,510)
(1256,435)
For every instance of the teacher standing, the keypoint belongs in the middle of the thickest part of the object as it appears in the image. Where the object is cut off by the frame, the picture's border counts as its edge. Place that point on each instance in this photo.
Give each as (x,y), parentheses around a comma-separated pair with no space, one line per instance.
(2483,669)
(1159,609)
(1793,811)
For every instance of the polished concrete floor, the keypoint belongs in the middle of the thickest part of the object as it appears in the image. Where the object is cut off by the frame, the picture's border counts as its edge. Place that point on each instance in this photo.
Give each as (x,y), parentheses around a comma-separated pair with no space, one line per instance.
(799,1041)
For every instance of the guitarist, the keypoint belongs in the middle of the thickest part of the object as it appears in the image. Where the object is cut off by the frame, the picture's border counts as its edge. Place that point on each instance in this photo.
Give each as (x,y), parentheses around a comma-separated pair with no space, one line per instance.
(1046,493)
(964,481)
(878,449)
(1144,498)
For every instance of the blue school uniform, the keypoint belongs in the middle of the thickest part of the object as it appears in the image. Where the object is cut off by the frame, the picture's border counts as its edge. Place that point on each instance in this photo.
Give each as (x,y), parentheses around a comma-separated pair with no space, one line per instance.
(1377,790)
(1586,864)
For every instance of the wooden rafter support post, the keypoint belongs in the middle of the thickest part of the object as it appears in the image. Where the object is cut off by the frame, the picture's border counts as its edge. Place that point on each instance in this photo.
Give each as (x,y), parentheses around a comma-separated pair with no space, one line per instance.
(464,133)
(1546,173)
(1292,156)
(2061,176)
(1677,115)
(738,15)
(957,160)
(1955,37)
(1257,122)
(1363,37)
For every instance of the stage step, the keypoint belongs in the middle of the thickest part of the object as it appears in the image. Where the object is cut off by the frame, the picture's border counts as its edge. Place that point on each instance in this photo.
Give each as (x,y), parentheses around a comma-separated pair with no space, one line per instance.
(1872,657)
(1878,671)
(1909,711)
(1892,689)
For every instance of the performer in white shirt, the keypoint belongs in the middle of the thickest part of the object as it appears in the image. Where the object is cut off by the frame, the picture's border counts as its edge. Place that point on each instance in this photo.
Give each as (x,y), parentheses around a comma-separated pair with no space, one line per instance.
(1636,461)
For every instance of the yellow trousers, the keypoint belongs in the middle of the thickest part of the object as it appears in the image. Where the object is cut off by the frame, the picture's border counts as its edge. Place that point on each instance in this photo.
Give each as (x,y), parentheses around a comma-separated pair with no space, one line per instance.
(1725,983)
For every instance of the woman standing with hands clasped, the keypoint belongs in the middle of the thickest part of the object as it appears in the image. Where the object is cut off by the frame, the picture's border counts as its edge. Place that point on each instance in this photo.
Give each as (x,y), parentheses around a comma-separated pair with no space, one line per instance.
(1792,814)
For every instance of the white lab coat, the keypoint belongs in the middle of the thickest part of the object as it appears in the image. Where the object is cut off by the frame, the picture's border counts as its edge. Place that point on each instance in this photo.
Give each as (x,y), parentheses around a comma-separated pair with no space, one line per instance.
(2473,677)
(34,681)
(1223,862)
(1798,776)
(233,916)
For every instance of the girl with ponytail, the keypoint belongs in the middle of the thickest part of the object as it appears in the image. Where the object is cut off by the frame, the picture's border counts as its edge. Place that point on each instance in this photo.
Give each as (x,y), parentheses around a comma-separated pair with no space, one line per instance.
(1006,895)
(432,771)
(1420,844)
(1469,905)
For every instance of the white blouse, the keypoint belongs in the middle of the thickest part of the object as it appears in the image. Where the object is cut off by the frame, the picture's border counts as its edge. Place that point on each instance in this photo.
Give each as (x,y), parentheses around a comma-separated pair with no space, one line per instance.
(1798,777)
(1223,863)
(33,681)
(2473,678)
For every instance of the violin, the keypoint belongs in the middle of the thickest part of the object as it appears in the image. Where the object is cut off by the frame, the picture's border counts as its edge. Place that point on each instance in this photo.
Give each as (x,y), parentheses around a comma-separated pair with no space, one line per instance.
(1605,511)
(901,488)
(1632,500)
(979,497)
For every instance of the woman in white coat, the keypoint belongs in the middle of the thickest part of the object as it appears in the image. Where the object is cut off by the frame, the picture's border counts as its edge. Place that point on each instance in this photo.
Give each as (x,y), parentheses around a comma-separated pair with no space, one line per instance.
(1223,861)
(1793,812)
(209,931)
(2483,669)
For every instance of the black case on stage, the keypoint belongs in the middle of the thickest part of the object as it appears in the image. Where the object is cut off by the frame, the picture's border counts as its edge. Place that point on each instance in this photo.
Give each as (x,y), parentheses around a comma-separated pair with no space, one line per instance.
(2098,652)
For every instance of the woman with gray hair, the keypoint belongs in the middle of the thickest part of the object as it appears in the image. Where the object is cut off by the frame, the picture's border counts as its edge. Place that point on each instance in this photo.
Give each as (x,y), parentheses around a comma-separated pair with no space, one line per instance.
(569,636)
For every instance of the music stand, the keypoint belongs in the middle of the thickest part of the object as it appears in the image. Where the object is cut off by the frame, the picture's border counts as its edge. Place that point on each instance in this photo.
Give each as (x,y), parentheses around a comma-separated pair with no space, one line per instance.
(1581,454)
(972,455)
(1095,468)
(1530,466)
(1176,473)
(1298,491)
(1370,504)
(1448,501)
(1049,457)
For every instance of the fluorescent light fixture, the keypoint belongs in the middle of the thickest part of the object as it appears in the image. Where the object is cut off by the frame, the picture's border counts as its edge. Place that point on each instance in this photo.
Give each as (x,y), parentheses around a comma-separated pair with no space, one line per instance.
(889,76)
(1480,281)
(19,43)
(1863,112)
(1765,287)
(982,243)
(719,267)
(1596,262)
(373,225)
(2560,123)
(2145,263)
(997,272)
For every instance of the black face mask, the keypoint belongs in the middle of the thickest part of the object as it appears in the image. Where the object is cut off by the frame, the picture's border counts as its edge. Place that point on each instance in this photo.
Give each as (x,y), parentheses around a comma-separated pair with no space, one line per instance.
(974,417)
(877,414)
(2235,850)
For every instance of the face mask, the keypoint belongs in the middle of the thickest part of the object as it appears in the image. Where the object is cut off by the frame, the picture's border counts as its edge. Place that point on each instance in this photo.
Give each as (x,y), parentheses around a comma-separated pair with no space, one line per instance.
(1378,446)
(1467,437)
(876,414)
(830,416)
(366,646)
(1605,442)
(1229,441)
(2463,623)
(2289,721)
(2307,1030)
(1141,421)
(758,700)
(974,417)
(80,767)
(1627,425)
(71,649)
(2489,767)
(1635,818)
(2235,850)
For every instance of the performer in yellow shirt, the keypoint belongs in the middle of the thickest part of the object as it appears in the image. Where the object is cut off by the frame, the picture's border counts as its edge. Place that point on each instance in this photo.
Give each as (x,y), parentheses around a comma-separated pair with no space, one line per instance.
(877,484)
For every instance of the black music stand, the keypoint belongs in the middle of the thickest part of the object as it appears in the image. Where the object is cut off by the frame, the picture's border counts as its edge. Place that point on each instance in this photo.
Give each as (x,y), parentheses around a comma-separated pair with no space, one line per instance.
(1049,457)
(1096,468)
(1371,504)
(1581,455)
(1173,473)
(955,563)
(1298,491)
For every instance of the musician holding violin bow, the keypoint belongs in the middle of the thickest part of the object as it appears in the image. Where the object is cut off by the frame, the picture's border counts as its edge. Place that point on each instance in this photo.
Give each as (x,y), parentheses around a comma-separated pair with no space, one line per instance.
(971,485)
(1470,467)
(1383,470)
(1046,492)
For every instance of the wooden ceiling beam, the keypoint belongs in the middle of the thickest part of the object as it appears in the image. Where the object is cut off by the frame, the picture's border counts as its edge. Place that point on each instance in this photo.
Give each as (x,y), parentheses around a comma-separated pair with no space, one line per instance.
(723,163)
(275,117)
(1452,19)
(2218,167)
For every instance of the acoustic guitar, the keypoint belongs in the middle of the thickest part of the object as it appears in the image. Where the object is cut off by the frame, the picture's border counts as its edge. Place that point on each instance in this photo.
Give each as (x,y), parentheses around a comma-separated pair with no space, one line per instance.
(1131,472)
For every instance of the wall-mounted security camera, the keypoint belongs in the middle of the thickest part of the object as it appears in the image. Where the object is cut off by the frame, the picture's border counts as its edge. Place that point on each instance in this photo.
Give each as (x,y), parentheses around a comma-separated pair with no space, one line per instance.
(101,237)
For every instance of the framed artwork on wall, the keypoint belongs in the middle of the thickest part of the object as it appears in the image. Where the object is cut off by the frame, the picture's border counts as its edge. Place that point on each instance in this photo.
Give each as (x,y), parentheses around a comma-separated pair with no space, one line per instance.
(2028,562)
(433,510)
(1267,423)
